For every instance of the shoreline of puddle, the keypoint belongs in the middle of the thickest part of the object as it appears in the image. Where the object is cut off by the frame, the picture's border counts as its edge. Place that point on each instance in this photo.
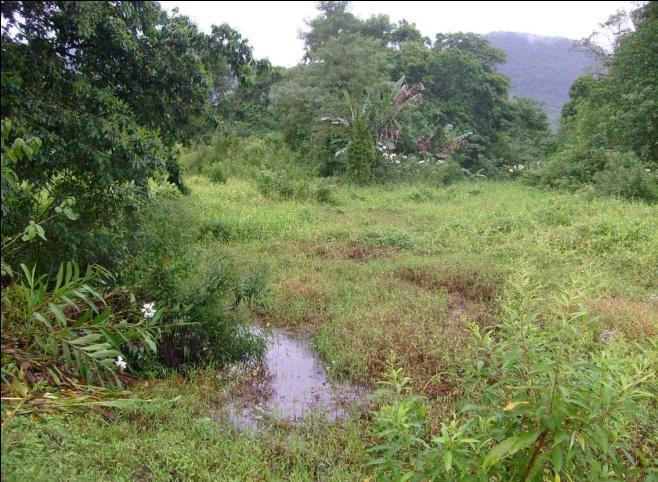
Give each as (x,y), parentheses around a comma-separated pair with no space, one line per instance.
(289,383)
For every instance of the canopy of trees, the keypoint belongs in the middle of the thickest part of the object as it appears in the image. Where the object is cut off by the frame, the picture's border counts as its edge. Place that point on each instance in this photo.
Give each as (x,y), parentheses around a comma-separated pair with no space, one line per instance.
(363,58)
(609,128)
(110,88)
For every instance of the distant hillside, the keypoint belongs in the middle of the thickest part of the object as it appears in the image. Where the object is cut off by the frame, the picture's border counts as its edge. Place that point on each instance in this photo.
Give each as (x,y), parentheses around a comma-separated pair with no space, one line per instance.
(541,68)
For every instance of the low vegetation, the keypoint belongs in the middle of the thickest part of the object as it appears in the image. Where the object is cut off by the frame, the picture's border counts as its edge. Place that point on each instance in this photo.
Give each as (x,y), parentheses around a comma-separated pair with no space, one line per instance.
(380,280)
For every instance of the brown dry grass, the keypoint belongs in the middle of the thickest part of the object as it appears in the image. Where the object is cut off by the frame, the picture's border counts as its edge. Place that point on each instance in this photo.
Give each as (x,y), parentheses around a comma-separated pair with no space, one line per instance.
(637,319)
(352,251)
(471,292)
(431,342)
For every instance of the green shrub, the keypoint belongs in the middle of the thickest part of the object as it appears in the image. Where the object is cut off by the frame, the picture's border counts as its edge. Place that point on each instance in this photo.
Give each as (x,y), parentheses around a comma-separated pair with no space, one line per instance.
(422,195)
(274,184)
(610,172)
(206,327)
(243,157)
(324,192)
(198,291)
(556,400)
(195,160)
(361,153)
(555,214)
(230,230)
(448,173)
(216,174)
(625,176)
(568,169)
(254,287)
(423,171)
(96,219)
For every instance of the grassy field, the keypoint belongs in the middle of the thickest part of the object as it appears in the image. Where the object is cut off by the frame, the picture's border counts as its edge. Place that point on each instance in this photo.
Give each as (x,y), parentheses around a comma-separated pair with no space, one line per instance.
(383,276)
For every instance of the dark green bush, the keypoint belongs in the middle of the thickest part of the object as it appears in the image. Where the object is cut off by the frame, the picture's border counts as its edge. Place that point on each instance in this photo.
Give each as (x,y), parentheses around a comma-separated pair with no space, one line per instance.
(274,184)
(216,173)
(625,176)
(388,239)
(610,172)
(422,195)
(324,192)
(199,292)
(552,401)
(243,157)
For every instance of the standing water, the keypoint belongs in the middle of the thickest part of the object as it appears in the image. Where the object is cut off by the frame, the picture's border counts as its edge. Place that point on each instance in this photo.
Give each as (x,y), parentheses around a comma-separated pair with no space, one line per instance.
(293,382)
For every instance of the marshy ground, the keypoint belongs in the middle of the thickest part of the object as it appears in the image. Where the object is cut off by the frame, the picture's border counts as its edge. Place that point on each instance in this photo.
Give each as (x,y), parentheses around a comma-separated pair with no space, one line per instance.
(381,276)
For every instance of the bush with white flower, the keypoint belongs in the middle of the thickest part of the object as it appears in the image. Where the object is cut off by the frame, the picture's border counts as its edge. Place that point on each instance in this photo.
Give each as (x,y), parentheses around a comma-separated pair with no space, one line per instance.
(120,363)
(148,310)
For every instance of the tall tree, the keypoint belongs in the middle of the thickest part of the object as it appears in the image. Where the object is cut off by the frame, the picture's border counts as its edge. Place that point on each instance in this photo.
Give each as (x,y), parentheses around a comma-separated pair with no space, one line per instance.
(335,20)
(110,88)
(619,110)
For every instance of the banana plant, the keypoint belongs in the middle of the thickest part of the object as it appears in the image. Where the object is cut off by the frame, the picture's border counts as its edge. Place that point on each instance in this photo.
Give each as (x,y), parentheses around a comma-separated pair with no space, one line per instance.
(380,113)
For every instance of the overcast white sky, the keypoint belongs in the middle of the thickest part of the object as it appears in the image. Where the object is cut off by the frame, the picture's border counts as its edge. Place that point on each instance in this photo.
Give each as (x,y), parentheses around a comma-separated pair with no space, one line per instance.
(272,27)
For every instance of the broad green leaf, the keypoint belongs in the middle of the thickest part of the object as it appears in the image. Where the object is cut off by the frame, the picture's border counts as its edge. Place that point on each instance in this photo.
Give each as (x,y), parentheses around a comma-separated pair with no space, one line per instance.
(59,314)
(107,362)
(96,347)
(100,318)
(557,458)
(509,447)
(39,317)
(85,340)
(104,354)
(498,452)
(447,460)
(60,277)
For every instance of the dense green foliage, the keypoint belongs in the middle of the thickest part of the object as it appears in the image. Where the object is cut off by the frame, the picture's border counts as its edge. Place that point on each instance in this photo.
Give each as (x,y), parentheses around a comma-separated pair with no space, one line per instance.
(556,399)
(110,89)
(609,136)
(361,59)
(96,102)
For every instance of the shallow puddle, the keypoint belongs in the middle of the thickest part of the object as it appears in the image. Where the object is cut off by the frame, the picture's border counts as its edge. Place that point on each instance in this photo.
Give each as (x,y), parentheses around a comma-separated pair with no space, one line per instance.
(290,383)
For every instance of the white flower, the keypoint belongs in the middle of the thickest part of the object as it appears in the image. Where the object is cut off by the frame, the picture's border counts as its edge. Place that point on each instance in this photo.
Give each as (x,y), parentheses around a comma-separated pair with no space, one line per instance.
(120,363)
(647,170)
(511,170)
(654,296)
(148,311)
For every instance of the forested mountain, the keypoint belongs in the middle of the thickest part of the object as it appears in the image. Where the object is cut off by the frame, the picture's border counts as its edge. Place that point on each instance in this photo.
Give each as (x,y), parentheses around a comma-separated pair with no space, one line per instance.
(541,68)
